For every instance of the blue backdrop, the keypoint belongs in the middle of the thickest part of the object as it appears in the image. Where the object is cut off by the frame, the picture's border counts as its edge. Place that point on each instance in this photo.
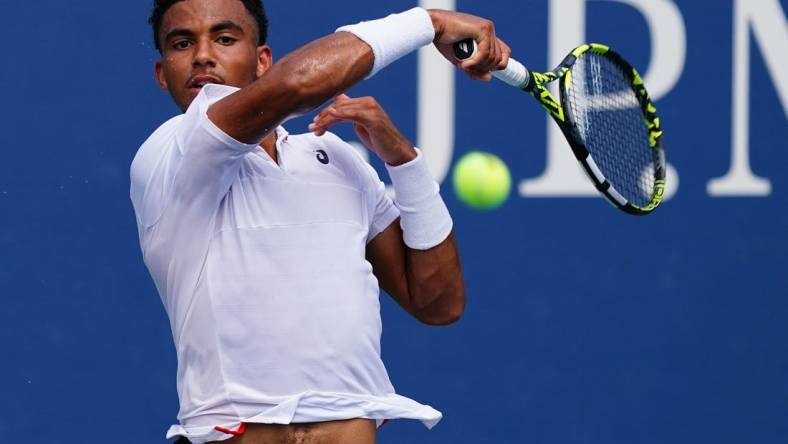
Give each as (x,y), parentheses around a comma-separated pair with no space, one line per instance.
(568,336)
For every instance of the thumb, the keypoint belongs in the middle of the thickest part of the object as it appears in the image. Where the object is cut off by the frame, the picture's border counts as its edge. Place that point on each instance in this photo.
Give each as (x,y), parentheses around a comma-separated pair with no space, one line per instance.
(363,134)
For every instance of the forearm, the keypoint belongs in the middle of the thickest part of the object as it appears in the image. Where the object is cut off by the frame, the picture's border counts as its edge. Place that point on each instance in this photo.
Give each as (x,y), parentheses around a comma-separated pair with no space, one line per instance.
(435,286)
(299,82)
(435,283)
(323,69)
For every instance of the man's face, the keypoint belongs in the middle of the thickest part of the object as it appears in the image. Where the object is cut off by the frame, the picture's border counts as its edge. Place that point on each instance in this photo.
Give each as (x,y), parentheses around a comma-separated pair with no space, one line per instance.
(208,41)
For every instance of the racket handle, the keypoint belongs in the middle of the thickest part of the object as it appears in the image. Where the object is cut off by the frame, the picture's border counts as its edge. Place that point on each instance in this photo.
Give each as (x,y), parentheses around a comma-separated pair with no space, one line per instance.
(515,74)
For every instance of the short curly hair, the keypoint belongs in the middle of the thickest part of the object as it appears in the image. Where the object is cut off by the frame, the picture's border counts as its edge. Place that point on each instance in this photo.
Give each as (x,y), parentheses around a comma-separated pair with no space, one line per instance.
(255,7)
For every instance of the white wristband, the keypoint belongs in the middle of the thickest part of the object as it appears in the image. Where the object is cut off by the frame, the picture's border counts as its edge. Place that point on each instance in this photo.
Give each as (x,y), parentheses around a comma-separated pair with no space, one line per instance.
(424,217)
(395,36)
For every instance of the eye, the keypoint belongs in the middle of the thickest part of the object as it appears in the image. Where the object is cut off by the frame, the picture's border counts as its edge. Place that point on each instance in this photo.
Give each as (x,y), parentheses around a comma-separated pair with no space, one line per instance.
(181,44)
(225,40)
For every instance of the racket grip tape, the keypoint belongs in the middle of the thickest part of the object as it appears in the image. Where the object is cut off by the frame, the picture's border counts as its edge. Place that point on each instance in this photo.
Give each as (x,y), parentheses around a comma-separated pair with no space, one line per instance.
(515,74)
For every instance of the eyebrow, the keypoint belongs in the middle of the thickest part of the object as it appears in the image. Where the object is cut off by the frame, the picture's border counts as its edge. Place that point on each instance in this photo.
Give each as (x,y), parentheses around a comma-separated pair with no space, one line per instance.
(226,25)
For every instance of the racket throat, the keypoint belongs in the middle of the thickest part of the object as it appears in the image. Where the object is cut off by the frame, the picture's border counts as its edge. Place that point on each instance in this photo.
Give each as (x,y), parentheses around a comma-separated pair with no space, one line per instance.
(550,104)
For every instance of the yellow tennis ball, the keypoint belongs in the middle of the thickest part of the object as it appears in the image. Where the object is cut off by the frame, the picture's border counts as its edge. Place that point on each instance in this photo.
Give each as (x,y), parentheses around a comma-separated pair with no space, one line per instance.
(482,180)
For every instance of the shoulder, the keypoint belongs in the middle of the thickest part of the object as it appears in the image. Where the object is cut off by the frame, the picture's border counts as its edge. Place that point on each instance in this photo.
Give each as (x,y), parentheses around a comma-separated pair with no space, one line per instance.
(154,147)
(149,158)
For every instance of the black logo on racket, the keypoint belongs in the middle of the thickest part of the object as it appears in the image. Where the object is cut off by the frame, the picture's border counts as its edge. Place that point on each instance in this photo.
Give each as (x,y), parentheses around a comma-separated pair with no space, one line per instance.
(322,157)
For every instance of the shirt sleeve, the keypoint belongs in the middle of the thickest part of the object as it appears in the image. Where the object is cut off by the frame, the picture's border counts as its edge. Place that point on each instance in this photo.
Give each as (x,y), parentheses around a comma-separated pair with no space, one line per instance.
(179,179)
(188,164)
(382,211)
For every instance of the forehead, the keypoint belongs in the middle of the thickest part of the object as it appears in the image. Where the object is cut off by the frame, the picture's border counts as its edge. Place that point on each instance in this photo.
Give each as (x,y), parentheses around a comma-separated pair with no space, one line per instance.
(196,14)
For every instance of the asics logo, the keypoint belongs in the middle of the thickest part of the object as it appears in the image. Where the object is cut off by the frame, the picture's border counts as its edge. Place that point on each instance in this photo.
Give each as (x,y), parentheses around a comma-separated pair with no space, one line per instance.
(322,157)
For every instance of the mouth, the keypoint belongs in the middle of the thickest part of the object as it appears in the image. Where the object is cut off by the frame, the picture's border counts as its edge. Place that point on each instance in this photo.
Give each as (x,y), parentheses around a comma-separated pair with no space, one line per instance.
(198,82)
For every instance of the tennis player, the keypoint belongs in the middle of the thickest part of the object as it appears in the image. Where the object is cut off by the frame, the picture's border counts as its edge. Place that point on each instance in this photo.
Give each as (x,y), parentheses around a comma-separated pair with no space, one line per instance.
(268,249)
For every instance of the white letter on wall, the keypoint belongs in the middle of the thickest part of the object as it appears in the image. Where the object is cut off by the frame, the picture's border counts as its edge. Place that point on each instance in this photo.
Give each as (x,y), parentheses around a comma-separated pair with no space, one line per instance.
(563,177)
(767,20)
(436,103)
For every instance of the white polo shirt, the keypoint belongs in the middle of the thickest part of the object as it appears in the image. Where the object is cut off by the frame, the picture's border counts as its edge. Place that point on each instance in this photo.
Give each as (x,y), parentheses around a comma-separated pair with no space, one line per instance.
(261,267)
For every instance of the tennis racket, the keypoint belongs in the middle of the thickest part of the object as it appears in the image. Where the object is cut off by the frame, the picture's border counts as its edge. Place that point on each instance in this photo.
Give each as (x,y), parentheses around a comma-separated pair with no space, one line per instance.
(606,115)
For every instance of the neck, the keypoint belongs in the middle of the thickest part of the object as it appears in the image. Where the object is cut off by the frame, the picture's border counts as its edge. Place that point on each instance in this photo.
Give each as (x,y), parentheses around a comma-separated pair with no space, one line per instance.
(269,145)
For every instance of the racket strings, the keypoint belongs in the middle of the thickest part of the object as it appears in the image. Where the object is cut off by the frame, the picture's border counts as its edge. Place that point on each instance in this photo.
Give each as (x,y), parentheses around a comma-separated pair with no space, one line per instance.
(610,123)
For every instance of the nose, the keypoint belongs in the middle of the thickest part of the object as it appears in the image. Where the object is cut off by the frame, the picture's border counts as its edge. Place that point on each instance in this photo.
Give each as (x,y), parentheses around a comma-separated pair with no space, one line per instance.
(204,54)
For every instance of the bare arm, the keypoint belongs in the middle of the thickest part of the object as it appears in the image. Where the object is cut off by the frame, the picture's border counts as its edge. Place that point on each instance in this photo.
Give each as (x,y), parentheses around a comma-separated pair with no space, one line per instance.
(313,74)
(427,284)
(299,82)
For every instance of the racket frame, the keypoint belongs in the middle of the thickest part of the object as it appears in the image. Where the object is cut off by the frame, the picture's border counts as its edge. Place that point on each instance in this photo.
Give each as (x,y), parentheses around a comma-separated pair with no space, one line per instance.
(562,114)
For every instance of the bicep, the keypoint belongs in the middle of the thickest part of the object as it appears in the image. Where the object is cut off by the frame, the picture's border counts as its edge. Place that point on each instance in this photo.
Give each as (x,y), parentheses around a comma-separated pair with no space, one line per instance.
(298,83)
(388,255)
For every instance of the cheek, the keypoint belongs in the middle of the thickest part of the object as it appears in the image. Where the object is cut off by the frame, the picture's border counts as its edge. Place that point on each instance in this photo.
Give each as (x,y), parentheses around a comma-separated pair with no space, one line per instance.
(242,65)
(176,70)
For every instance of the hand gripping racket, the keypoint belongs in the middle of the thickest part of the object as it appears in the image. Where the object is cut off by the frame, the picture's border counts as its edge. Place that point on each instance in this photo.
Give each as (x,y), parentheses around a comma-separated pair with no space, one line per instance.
(606,115)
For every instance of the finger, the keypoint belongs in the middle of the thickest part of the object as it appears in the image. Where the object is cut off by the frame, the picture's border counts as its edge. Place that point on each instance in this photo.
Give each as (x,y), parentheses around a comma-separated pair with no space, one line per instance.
(499,55)
(347,111)
(363,111)
(484,49)
(323,121)
(321,128)
(339,103)
(488,62)
(363,134)
(495,56)
(478,74)
(322,125)
(323,115)
(326,111)
(474,63)
(356,112)
(485,77)
(507,54)
(495,53)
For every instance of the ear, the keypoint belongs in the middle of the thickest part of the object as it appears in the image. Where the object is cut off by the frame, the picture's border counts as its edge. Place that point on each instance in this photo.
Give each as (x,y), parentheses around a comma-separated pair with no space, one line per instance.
(161,80)
(265,59)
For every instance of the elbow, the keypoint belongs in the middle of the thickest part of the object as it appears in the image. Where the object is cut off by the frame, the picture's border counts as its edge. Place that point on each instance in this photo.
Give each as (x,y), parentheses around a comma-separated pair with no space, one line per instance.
(442,313)
(441,320)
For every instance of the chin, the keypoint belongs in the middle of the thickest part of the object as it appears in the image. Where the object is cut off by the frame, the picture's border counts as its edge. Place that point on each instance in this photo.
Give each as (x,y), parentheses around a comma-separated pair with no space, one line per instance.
(186,101)
(183,106)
